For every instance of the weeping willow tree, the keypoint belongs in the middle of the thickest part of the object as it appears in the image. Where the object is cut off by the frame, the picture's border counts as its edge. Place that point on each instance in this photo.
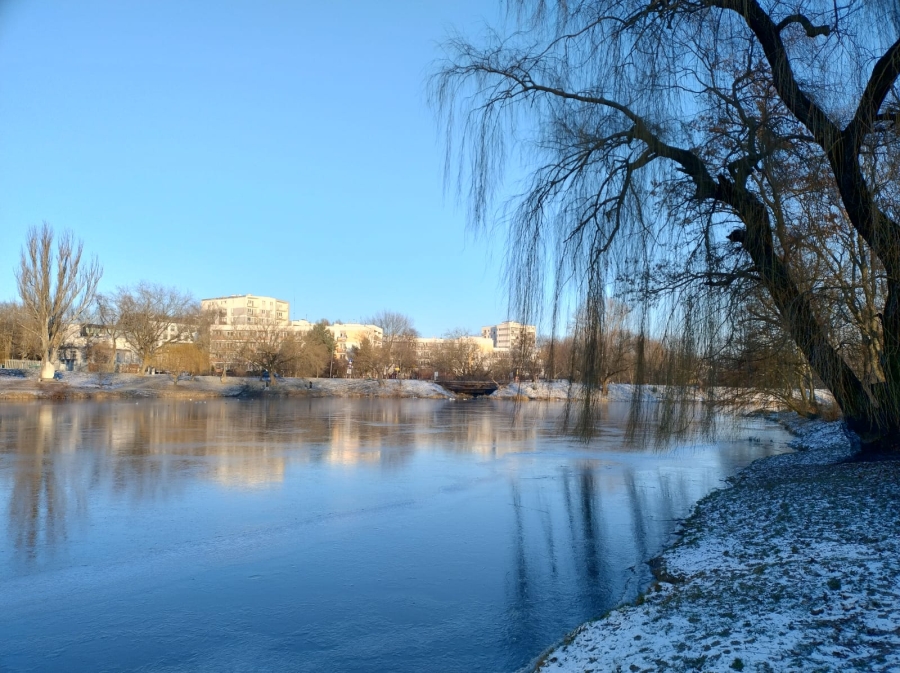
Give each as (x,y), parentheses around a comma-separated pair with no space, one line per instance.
(697,155)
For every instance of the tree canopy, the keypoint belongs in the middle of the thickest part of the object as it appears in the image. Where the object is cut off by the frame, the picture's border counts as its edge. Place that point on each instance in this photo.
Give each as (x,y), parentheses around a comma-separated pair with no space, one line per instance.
(740,155)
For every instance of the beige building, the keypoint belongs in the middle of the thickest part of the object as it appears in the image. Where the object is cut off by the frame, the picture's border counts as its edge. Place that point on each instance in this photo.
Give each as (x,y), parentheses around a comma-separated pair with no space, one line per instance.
(346,335)
(229,339)
(248,309)
(426,345)
(461,355)
(508,334)
(350,335)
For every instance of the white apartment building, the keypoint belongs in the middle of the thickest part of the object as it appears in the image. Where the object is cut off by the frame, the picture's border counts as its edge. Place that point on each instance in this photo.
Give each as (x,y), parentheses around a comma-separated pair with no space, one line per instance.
(509,334)
(248,309)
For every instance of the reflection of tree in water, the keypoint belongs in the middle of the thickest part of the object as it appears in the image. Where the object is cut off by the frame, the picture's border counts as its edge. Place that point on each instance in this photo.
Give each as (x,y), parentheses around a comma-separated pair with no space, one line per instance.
(149,450)
(41,496)
(522,609)
(542,561)
(35,501)
(595,528)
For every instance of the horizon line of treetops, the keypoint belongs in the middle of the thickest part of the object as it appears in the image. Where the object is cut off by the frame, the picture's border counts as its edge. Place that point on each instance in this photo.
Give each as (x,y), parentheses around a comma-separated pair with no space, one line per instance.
(58,288)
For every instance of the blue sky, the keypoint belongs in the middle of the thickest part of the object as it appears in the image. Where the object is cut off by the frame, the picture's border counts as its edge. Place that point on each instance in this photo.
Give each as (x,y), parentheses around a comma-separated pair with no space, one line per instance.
(278,148)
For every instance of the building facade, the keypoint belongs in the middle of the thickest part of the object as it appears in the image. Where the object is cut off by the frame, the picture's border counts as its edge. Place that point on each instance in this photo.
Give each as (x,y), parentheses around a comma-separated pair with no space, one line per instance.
(247,309)
(510,334)
(348,336)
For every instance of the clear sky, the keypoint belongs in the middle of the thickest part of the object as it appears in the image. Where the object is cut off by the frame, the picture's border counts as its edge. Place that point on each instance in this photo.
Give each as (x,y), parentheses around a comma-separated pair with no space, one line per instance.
(278,147)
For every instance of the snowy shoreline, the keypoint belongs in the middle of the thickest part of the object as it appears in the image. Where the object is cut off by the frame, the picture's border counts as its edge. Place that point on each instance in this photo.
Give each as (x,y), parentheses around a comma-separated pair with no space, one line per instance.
(794,566)
(129,386)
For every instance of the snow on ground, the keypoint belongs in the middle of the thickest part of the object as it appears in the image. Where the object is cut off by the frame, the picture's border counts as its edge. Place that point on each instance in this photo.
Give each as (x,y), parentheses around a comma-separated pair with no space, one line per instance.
(116,386)
(563,390)
(795,567)
(625,392)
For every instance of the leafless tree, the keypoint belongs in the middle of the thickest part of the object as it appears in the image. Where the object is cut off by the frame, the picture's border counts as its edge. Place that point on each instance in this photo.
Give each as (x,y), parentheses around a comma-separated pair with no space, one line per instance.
(657,130)
(459,356)
(56,287)
(269,347)
(602,331)
(398,345)
(151,316)
(107,312)
(15,341)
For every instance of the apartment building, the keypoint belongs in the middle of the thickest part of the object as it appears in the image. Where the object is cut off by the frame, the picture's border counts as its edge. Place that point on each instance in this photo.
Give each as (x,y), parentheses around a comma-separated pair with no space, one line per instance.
(459,356)
(347,336)
(248,309)
(509,334)
(81,344)
(247,320)
(426,347)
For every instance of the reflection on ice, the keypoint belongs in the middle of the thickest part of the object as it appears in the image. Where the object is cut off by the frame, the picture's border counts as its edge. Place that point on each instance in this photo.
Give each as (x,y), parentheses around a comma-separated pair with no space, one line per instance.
(326,534)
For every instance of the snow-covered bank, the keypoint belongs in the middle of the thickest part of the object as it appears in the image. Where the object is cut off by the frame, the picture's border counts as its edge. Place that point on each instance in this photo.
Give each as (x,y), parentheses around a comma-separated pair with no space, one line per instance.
(126,386)
(795,567)
(561,390)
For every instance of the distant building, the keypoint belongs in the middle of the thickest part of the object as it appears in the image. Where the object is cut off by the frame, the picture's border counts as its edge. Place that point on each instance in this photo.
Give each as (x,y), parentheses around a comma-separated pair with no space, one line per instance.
(246,322)
(89,346)
(426,347)
(247,309)
(348,336)
(509,334)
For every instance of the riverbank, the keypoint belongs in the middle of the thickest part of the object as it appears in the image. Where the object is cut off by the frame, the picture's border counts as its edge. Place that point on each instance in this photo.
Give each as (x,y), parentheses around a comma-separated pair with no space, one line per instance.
(76,386)
(795,566)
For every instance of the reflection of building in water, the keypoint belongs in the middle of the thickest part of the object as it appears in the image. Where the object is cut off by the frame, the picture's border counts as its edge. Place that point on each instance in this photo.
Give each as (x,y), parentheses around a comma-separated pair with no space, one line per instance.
(249,471)
(57,458)
(345,445)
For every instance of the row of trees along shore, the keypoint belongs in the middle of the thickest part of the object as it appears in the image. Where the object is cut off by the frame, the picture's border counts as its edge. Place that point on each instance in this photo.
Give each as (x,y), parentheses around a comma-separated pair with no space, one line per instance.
(168,331)
(729,164)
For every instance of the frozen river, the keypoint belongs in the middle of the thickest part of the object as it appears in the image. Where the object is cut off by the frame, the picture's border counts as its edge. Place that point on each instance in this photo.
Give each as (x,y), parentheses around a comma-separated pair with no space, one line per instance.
(326,534)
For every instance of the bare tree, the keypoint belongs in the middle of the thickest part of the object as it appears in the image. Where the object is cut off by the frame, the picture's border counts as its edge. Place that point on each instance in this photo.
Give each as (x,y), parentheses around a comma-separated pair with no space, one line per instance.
(151,316)
(15,341)
(601,330)
(107,312)
(459,356)
(56,287)
(398,349)
(658,130)
(268,347)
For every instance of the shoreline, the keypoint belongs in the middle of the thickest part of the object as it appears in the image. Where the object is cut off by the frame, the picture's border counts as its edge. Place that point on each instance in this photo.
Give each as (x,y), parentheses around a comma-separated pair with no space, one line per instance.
(110,387)
(792,566)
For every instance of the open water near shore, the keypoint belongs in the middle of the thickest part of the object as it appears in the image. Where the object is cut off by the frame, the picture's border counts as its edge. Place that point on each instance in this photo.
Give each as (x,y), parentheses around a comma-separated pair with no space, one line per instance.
(327,534)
